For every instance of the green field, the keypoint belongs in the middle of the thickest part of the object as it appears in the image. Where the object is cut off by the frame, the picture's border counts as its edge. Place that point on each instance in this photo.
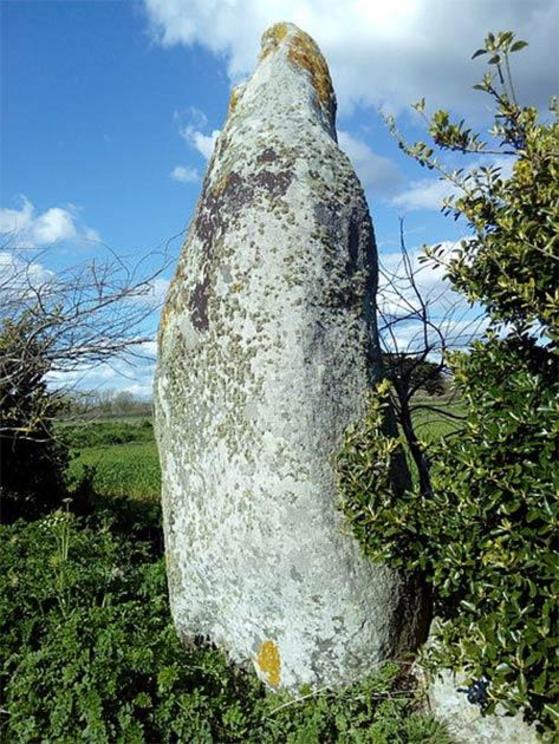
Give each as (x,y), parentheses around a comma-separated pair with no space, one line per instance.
(431,425)
(120,456)
(124,457)
(121,469)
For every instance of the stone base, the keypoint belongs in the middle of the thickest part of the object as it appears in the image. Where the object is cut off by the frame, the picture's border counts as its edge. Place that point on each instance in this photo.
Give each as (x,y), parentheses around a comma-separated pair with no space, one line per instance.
(464,720)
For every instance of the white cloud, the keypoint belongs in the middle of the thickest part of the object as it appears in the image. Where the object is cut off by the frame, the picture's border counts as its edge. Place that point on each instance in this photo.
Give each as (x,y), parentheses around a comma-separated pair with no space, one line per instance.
(150,348)
(131,373)
(12,265)
(376,173)
(90,234)
(458,333)
(381,53)
(117,375)
(204,143)
(184,174)
(428,193)
(424,194)
(54,225)
(18,279)
(139,390)
(16,220)
(193,125)
(156,292)
(453,322)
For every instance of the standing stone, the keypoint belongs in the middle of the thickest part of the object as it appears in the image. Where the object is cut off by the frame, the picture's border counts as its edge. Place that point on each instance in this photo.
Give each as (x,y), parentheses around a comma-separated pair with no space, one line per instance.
(267,346)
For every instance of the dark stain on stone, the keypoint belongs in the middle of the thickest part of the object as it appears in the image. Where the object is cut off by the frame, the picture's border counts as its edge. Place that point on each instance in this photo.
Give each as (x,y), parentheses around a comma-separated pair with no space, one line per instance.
(237,192)
(217,209)
(209,222)
(370,258)
(325,218)
(342,245)
(275,183)
(353,241)
(267,156)
(199,304)
(218,206)
(227,199)
(223,144)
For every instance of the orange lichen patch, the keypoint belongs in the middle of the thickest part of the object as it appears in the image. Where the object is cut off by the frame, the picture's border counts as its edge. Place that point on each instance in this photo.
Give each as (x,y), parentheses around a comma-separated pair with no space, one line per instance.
(304,53)
(272,38)
(269,662)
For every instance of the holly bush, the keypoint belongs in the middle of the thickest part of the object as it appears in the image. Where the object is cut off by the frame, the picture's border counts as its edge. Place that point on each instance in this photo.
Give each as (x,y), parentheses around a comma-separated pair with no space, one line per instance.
(485,539)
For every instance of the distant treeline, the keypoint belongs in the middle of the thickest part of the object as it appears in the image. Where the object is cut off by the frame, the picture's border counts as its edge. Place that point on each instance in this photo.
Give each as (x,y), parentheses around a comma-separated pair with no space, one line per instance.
(106,404)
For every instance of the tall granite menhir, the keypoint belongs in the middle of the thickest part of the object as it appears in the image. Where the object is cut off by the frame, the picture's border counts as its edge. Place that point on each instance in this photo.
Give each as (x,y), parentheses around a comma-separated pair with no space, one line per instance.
(267,347)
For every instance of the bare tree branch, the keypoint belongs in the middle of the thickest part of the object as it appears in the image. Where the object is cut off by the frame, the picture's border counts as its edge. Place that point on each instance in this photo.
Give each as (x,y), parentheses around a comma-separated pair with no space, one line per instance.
(86,315)
(418,327)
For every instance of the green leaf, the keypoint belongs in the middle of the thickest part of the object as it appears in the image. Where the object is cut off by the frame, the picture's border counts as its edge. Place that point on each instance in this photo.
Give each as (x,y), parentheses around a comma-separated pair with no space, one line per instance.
(479,53)
(518,45)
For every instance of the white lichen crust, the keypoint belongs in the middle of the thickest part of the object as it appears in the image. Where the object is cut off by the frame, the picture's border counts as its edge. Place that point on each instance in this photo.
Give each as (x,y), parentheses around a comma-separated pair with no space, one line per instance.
(267,346)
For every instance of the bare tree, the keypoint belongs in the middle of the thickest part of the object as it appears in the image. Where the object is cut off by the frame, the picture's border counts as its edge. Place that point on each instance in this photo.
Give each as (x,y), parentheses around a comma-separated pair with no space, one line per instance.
(418,326)
(75,319)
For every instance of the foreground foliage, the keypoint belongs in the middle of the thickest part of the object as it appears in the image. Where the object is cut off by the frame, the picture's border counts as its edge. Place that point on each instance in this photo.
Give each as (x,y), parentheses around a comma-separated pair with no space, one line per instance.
(88,651)
(485,537)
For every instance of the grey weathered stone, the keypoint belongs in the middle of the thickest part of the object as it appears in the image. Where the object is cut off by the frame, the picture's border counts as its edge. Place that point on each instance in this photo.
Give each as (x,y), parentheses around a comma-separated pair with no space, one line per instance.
(465,722)
(267,346)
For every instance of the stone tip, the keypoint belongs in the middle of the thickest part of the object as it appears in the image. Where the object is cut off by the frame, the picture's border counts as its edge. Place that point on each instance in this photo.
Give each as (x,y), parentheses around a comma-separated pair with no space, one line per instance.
(303,52)
(274,35)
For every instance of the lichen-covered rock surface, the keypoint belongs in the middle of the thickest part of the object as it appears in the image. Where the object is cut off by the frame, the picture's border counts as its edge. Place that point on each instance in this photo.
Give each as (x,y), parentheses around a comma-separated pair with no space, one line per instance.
(466,723)
(267,346)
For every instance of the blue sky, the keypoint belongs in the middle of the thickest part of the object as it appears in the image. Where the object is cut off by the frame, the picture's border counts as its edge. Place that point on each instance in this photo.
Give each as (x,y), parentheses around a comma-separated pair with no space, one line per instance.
(108,109)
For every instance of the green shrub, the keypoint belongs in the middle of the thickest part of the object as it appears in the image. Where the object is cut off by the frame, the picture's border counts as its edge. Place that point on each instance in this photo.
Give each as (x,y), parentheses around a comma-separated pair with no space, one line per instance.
(485,535)
(486,540)
(32,460)
(88,653)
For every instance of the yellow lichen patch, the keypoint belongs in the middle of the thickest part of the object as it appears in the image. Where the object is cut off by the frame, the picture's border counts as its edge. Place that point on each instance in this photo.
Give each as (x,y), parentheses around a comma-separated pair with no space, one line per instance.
(269,662)
(304,53)
(165,314)
(169,306)
(220,185)
(233,100)
(272,38)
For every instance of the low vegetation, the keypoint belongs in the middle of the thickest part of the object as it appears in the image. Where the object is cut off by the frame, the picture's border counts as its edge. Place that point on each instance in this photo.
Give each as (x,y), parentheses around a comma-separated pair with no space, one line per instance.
(89,650)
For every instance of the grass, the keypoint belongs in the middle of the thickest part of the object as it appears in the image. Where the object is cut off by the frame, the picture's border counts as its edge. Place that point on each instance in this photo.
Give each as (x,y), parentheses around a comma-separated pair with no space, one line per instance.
(123,455)
(130,470)
(88,652)
(431,425)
